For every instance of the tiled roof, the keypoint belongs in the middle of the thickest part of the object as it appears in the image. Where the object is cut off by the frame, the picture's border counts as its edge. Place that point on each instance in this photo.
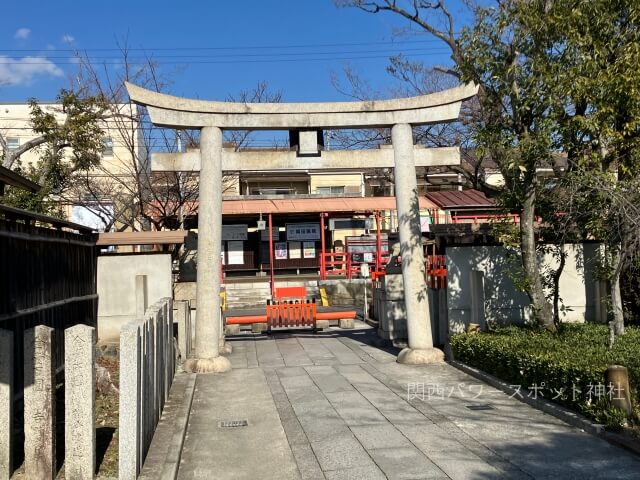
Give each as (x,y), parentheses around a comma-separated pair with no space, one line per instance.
(454,199)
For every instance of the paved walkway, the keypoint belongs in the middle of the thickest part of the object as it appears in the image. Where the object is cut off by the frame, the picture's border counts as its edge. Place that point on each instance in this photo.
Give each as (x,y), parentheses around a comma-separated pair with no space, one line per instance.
(334,406)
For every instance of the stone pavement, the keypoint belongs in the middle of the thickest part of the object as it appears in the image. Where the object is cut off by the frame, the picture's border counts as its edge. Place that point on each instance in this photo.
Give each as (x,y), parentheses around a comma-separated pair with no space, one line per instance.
(334,406)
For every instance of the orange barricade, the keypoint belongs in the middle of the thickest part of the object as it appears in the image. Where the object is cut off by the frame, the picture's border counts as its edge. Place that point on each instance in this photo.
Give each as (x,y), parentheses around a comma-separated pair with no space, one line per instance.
(287,316)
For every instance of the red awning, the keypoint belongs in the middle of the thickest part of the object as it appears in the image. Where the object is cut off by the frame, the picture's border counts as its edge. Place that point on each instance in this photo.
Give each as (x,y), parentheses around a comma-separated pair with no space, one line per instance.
(314,205)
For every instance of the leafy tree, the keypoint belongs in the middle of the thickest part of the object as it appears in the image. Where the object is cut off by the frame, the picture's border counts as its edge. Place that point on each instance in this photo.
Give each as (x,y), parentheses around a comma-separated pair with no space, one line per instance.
(588,59)
(132,197)
(511,129)
(64,147)
(558,80)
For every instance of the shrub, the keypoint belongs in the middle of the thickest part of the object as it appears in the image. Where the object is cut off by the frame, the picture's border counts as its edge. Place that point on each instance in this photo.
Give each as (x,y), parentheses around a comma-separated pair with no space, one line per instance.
(567,367)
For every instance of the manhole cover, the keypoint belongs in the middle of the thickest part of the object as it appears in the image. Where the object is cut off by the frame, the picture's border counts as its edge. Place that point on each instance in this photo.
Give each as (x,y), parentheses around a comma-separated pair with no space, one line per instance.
(480,407)
(233,424)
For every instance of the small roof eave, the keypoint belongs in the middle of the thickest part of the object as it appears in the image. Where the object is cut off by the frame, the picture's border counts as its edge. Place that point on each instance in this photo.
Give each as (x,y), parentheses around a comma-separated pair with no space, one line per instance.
(164,237)
(9,177)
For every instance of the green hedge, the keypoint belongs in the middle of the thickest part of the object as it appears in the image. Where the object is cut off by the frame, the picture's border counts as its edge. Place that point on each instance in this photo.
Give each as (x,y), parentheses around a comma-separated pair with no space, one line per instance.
(577,356)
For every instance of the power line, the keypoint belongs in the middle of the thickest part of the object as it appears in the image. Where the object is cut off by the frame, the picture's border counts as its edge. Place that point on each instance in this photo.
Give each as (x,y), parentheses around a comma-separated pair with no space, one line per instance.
(240,61)
(232,55)
(235,47)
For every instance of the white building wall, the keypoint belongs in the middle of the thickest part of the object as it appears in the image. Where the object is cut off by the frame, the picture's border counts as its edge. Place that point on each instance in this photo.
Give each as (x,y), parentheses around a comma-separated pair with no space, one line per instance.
(480,288)
(352,182)
(15,122)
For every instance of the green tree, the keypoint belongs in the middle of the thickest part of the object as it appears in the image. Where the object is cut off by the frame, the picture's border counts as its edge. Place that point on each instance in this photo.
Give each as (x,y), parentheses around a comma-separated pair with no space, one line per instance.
(64,147)
(558,80)
(589,56)
(512,127)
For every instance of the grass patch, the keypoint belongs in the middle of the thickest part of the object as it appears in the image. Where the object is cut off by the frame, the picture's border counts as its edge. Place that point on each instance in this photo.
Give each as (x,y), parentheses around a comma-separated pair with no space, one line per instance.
(567,367)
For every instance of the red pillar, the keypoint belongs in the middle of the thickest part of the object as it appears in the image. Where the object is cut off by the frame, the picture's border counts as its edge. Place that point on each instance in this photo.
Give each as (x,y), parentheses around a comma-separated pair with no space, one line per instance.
(323,267)
(378,244)
(271,255)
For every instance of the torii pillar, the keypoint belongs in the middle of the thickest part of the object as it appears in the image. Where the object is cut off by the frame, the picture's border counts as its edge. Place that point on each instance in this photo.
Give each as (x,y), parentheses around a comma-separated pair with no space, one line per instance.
(307,119)
(416,296)
(208,325)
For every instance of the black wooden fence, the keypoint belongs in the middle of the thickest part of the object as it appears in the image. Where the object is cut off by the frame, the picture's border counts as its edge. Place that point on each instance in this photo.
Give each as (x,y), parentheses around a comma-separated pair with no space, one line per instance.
(47,277)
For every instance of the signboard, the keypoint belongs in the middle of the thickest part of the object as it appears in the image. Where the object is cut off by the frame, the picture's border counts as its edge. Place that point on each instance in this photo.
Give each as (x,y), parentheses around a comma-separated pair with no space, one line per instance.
(235,253)
(424,223)
(281,250)
(294,250)
(262,224)
(351,224)
(364,270)
(309,249)
(234,232)
(264,234)
(303,231)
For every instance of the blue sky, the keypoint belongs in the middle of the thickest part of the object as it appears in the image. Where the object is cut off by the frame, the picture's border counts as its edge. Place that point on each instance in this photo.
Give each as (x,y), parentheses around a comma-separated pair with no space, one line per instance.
(211,49)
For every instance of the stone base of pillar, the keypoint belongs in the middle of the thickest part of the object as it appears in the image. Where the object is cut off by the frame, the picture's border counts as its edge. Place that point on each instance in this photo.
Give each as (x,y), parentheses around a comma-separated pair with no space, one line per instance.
(410,356)
(232,329)
(258,327)
(346,323)
(207,365)
(322,324)
(224,347)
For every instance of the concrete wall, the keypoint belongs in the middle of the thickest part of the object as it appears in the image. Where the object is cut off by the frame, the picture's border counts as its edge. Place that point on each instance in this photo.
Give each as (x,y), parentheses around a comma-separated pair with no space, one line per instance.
(117,289)
(347,292)
(480,288)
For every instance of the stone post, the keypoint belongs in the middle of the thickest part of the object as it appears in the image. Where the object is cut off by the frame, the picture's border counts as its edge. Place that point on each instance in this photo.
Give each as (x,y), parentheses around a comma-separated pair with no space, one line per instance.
(129,405)
(420,349)
(141,295)
(6,403)
(184,330)
(208,357)
(79,402)
(39,404)
(617,378)
(224,347)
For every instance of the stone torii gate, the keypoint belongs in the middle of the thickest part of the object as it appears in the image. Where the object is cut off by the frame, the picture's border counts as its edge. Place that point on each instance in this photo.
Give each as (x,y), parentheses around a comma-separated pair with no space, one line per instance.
(307,120)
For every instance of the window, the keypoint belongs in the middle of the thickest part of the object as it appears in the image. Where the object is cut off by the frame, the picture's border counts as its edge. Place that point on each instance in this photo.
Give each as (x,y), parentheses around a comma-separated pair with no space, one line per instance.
(13,143)
(107,146)
(271,191)
(330,190)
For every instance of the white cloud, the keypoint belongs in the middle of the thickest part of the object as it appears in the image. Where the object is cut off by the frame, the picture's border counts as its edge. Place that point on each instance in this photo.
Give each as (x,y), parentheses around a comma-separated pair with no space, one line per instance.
(68,39)
(22,34)
(24,71)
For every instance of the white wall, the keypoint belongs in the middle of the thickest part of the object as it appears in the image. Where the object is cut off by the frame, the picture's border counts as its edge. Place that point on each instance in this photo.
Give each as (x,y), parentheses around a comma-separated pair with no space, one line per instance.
(117,289)
(486,271)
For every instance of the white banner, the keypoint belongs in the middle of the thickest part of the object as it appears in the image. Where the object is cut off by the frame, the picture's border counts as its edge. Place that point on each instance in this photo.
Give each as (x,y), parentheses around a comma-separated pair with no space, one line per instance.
(235,253)
(309,250)
(295,250)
